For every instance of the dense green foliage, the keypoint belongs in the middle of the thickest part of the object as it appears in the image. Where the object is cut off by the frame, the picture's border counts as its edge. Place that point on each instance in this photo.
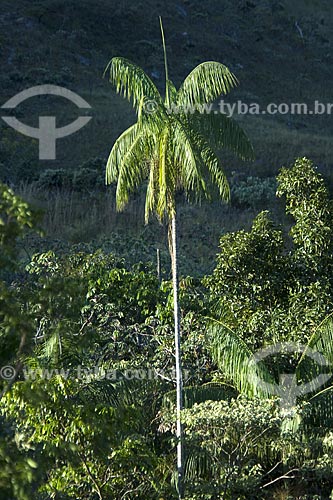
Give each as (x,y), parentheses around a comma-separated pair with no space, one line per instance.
(87,379)
(89,412)
(272,287)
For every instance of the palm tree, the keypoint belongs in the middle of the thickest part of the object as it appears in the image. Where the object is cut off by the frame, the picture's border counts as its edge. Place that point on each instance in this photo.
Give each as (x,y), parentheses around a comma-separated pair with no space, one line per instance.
(174,150)
(247,376)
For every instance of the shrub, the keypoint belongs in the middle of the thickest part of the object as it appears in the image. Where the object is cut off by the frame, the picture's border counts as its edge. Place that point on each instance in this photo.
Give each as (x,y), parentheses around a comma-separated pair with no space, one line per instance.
(55,179)
(253,192)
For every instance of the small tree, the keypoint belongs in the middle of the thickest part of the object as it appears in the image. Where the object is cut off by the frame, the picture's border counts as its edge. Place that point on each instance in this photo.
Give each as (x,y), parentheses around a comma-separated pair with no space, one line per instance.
(169,147)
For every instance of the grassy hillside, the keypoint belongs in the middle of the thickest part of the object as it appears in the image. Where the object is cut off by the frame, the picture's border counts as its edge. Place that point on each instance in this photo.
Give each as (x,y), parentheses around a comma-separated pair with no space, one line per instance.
(281,51)
(69,43)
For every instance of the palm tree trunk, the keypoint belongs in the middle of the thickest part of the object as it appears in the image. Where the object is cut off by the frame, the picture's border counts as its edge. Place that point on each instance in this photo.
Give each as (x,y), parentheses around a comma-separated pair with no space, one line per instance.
(179,381)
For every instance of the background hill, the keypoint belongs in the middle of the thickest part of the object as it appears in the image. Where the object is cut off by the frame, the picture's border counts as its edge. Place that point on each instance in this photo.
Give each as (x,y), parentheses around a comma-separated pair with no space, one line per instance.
(280,51)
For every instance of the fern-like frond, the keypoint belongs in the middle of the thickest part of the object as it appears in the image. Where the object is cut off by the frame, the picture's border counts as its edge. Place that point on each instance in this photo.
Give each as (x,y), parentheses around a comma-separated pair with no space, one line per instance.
(185,158)
(235,360)
(320,346)
(134,164)
(321,410)
(205,83)
(222,132)
(217,175)
(132,82)
(118,151)
(152,188)
(199,463)
(212,391)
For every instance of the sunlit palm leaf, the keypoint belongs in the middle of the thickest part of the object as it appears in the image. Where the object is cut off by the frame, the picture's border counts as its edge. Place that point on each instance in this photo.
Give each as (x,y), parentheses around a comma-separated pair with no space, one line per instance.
(235,360)
(132,82)
(132,171)
(184,157)
(52,347)
(152,188)
(205,83)
(222,132)
(133,167)
(162,202)
(172,91)
(120,148)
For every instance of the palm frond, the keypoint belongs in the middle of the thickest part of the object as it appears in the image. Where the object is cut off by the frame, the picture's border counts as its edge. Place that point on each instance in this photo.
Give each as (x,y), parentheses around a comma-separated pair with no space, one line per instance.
(131,173)
(152,188)
(52,347)
(132,82)
(185,158)
(212,391)
(211,169)
(321,410)
(172,91)
(162,181)
(133,168)
(222,132)
(118,151)
(117,393)
(217,175)
(205,83)
(235,359)
(198,464)
(322,339)
(320,347)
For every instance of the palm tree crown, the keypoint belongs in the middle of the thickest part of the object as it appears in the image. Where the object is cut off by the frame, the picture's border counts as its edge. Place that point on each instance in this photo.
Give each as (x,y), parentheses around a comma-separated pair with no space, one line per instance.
(173,143)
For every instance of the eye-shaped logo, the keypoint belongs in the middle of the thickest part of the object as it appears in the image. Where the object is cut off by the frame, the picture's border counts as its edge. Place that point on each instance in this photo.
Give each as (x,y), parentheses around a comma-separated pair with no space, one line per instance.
(288,388)
(47,133)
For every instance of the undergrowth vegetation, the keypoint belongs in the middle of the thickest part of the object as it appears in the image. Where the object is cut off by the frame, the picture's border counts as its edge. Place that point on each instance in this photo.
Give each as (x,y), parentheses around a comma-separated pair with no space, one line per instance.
(89,410)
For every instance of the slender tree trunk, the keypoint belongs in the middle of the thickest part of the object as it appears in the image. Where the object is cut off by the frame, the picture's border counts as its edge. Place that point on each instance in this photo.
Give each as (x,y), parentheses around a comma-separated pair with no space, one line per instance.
(179,381)
(158,264)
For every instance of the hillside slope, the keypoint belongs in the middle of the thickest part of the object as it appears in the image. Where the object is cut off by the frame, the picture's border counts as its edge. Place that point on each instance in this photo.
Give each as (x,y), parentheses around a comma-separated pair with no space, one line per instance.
(280,51)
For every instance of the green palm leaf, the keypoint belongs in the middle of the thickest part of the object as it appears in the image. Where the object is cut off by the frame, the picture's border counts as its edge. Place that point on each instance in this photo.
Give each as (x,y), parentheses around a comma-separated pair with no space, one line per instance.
(152,188)
(120,148)
(132,171)
(132,82)
(184,157)
(216,173)
(321,410)
(321,345)
(162,202)
(199,463)
(223,132)
(212,391)
(205,83)
(235,359)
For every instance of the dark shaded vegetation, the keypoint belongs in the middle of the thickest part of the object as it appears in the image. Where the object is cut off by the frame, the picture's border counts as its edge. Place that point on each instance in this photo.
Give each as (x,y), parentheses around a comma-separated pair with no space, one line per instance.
(85,325)
(91,411)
